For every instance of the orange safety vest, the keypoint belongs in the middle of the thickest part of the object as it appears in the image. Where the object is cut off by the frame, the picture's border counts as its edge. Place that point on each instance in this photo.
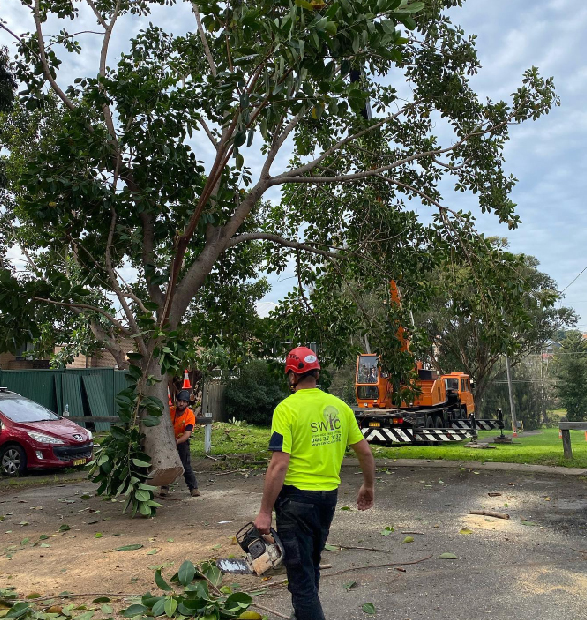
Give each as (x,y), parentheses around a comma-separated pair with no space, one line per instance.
(182,422)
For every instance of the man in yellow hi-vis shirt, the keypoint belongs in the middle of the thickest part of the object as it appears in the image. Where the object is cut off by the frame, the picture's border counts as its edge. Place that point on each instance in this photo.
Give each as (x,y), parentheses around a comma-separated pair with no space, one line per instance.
(309,436)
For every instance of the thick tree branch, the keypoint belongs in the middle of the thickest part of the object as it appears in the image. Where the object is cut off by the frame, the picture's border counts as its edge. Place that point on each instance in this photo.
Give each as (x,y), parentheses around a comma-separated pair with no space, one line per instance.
(281,241)
(352,138)
(365,174)
(208,132)
(97,14)
(113,320)
(148,257)
(277,144)
(204,39)
(103,56)
(46,69)
(109,341)
(114,282)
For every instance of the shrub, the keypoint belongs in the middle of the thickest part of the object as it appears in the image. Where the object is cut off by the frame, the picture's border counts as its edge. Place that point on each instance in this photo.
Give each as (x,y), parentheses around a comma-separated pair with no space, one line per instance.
(255,394)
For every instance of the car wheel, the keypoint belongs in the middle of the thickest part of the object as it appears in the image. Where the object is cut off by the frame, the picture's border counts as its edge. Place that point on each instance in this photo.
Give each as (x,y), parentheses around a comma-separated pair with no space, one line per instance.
(12,460)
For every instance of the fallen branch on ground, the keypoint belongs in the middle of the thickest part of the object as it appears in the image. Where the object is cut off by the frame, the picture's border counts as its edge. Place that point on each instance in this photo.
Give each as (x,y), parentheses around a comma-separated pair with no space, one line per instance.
(488,513)
(393,565)
(360,548)
(414,533)
(271,611)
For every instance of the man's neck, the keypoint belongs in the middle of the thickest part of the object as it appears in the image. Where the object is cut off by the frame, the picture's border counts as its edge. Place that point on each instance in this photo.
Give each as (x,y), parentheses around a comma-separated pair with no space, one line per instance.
(306,384)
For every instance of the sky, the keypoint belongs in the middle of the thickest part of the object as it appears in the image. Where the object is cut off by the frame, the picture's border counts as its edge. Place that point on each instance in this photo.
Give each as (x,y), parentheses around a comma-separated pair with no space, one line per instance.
(548,156)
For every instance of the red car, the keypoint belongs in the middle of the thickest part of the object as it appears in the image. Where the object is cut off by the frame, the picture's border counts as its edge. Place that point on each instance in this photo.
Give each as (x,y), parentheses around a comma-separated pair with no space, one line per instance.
(32,437)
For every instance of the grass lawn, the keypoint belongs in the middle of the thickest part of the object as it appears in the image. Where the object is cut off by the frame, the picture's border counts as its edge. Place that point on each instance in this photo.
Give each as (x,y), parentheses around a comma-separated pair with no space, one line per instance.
(544,448)
(230,439)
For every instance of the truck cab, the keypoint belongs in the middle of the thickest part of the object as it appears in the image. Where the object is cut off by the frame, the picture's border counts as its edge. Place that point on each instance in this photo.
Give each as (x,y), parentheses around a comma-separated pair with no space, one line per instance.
(373,389)
(458,391)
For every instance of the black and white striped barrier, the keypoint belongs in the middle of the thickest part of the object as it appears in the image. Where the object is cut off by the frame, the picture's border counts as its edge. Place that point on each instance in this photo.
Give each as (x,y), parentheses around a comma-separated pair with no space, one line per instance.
(405,435)
(443,434)
(388,435)
(481,425)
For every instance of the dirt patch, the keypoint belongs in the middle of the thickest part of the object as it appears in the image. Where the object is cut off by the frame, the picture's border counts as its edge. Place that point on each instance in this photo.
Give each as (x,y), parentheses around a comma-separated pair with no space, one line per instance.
(37,557)
(547,581)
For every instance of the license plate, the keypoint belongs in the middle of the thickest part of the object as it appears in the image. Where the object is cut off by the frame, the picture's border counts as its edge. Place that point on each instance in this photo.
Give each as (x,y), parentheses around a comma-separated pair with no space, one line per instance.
(377,424)
(79,462)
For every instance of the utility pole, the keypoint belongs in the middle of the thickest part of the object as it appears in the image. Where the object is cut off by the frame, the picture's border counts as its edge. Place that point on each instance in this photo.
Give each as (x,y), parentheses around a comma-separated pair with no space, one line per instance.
(512,408)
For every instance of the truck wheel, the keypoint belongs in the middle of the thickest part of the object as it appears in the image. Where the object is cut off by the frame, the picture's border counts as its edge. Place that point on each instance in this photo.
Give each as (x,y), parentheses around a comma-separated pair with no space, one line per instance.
(439,422)
(12,460)
(429,423)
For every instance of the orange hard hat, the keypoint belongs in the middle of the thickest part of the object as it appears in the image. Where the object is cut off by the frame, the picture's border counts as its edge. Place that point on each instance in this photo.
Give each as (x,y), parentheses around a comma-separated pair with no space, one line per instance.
(301,360)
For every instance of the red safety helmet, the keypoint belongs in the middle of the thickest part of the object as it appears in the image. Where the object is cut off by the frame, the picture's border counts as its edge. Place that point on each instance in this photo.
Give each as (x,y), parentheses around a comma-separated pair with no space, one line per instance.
(301,360)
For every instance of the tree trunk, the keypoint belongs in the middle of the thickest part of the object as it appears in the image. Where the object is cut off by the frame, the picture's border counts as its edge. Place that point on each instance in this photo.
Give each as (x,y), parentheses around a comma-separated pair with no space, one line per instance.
(159,441)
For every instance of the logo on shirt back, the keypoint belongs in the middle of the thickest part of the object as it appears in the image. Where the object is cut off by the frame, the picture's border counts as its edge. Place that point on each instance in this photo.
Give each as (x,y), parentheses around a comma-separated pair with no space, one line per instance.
(331,421)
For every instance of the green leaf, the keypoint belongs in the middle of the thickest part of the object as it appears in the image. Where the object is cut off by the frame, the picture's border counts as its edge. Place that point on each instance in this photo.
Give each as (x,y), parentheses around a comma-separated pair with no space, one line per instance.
(63,527)
(159,607)
(161,583)
(140,463)
(331,28)
(530,523)
(369,608)
(186,573)
(408,539)
(98,535)
(448,556)
(238,600)
(330,547)
(465,531)
(305,5)
(133,547)
(142,496)
(153,551)
(101,599)
(415,7)
(213,574)
(349,585)
(134,610)
(345,507)
(387,530)
(170,606)
(18,610)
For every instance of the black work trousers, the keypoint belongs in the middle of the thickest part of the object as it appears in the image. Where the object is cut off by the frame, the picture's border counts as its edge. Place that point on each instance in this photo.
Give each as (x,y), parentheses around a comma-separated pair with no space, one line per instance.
(303,521)
(183,449)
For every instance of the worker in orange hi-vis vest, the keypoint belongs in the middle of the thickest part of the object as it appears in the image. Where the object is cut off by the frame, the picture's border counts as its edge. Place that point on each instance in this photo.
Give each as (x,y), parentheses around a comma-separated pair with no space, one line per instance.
(183,421)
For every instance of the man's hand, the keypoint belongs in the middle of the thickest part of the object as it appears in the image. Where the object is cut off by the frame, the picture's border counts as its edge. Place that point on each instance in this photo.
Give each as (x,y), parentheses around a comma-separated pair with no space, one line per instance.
(365,498)
(263,522)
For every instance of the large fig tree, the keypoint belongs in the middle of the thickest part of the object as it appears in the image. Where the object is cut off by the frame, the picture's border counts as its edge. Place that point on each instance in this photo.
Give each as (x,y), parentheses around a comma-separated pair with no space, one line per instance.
(163,160)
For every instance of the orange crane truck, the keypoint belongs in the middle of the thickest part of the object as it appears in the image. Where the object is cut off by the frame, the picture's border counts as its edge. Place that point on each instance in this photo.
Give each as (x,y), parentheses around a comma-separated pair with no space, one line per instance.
(443,408)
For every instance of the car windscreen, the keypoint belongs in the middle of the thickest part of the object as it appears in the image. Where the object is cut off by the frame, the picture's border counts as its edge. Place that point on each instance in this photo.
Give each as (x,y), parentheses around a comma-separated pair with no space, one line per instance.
(23,410)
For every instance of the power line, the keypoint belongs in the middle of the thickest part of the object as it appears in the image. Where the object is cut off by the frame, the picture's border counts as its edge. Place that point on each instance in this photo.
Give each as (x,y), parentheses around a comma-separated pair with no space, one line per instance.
(573,282)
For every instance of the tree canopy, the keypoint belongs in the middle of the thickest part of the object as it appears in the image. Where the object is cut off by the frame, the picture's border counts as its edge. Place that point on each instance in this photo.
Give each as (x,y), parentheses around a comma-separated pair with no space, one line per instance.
(348,109)
(501,307)
(570,367)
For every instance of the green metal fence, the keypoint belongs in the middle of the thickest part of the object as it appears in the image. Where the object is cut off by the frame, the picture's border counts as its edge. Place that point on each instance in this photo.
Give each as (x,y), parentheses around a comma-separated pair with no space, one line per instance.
(86,391)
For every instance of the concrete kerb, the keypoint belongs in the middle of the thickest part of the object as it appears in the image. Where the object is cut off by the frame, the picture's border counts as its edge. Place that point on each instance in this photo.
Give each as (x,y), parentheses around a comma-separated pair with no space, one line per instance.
(476,465)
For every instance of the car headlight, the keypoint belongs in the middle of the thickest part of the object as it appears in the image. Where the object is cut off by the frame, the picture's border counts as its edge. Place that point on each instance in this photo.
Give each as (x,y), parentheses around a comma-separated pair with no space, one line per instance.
(42,438)
(90,436)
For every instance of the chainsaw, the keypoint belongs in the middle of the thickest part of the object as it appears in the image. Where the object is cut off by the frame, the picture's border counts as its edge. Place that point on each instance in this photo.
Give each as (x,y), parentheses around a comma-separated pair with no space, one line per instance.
(263,551)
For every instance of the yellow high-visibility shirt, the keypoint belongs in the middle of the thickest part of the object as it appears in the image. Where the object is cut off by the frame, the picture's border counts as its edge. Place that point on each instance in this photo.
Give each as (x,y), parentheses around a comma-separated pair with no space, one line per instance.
(314,428)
